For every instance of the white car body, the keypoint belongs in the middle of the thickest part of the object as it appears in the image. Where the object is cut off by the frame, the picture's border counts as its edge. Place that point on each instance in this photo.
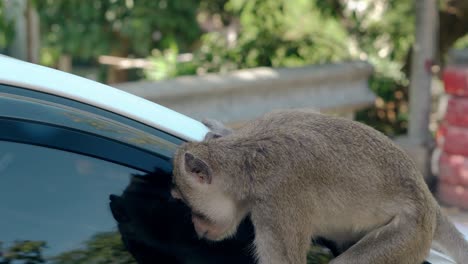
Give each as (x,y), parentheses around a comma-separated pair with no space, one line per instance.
(26,75)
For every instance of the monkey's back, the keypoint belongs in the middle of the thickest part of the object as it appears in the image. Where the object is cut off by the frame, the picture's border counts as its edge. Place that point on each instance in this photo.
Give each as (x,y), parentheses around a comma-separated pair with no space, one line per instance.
(332,145)
(354,170)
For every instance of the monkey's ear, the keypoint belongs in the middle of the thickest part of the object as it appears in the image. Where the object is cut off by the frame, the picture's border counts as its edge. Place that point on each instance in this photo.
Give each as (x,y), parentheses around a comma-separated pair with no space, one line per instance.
(197,168)
(217,129)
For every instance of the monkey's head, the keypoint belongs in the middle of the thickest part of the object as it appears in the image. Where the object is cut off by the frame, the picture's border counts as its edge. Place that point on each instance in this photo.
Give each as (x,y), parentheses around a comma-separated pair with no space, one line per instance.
(201,186)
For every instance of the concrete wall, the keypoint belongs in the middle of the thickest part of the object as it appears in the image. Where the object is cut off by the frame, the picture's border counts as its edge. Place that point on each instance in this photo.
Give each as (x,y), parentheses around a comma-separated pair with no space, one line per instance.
(246,94)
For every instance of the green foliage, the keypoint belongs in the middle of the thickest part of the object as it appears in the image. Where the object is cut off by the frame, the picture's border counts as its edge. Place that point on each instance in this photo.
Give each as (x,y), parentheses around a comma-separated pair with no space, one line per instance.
(462,43)
(278,34)
(102,248)
(6,28)
(318,255)
(164,65)
(291,33)
(269,36)
(386,42)
(87,29)
(216,55)
(382,33)
(294,33)
(24,252)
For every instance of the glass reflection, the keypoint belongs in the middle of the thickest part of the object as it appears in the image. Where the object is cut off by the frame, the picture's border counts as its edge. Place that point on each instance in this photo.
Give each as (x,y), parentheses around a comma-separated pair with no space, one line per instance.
(156,227)
(16,106)
(60,207)
(54,202)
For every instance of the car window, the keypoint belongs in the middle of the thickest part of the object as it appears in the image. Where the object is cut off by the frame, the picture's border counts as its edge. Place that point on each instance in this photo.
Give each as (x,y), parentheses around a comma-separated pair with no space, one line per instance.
(55,203)
(17,103)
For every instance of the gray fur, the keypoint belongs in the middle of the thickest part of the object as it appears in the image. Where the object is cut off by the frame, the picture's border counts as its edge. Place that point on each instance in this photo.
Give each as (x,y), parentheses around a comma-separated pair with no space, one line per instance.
(217,129)
(301,174)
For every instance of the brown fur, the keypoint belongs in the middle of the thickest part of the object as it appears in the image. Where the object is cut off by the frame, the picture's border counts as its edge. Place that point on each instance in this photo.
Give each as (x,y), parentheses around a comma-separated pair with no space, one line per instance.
(299,175)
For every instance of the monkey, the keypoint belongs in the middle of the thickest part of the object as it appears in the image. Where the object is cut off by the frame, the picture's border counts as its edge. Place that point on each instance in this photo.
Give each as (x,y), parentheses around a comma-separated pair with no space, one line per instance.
(300,174)
(154,230)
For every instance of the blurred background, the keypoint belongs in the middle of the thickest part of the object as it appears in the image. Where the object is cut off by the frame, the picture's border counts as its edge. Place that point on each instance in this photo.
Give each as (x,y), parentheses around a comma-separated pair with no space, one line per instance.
(370,60)
(134,45)
(116,41)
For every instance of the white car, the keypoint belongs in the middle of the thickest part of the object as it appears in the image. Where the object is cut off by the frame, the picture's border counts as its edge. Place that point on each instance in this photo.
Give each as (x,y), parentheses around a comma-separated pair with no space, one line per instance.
(76,155)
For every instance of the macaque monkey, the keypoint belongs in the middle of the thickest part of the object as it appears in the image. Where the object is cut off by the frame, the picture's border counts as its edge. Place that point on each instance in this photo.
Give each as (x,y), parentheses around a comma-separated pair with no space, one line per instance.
(300,174)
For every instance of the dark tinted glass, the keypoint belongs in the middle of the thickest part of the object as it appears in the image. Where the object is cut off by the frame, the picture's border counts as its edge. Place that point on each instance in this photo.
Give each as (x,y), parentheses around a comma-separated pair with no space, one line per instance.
(16,103)
(55,207)
(60,160)
(53,203)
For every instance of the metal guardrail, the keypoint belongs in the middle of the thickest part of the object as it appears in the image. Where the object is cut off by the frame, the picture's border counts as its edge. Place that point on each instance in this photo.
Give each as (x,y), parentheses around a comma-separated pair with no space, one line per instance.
(246,94)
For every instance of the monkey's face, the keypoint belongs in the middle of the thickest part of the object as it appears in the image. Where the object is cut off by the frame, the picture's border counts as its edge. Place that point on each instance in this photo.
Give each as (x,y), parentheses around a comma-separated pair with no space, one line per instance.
(215,215)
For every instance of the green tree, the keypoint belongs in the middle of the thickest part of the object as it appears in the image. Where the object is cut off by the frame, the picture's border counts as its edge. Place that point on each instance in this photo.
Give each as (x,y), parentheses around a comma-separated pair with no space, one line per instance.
(275,33)
(299,32)
(6,29)
(106,248)
(24,252)
(387,43)
(87,29)
(294,33)
(102,248)
(382,33)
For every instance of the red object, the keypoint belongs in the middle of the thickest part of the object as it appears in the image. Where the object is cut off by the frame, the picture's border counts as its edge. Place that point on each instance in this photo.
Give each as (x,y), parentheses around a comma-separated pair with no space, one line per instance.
(457,111)
(456,140)
(452,135)
(453,169)
(440,134)
(456,80)
(455,195)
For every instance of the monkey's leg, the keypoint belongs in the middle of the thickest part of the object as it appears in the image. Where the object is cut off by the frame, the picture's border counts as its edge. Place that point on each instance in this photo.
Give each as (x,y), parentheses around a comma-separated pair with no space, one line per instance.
(279,241)
(404,240)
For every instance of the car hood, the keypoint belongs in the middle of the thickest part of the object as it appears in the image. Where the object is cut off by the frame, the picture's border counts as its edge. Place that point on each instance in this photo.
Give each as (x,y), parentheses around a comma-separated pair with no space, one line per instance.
(437,257)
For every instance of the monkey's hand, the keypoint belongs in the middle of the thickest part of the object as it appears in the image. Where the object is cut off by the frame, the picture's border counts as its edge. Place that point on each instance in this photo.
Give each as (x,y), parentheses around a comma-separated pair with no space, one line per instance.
(217,128)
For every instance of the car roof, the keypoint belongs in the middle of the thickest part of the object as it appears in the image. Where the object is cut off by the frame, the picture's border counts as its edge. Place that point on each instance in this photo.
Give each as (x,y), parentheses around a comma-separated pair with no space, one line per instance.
(39,78)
